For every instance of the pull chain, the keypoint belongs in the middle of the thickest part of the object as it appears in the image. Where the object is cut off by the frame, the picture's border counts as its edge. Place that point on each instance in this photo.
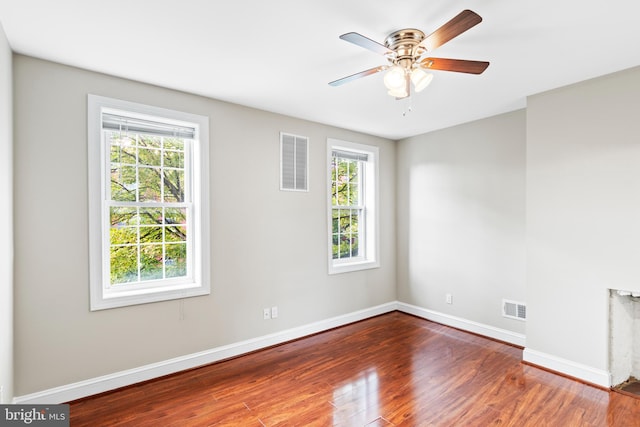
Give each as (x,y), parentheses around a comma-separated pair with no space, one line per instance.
(409,108)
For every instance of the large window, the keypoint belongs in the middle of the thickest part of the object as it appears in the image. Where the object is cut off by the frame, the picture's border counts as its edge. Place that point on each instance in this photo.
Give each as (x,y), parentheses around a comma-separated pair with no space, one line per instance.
(353,223)
(148,207)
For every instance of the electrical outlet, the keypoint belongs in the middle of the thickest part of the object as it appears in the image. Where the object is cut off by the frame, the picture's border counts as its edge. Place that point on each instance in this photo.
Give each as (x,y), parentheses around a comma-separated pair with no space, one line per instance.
(266,314)
(449,298)
(274,312)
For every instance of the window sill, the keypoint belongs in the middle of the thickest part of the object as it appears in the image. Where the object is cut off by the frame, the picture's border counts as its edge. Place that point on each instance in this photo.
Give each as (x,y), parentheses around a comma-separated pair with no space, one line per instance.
(144,296)
(338,268)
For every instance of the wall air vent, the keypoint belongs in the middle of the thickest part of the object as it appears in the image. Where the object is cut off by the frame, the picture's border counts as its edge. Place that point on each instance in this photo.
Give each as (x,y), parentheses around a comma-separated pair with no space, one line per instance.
(514,310)
(294,158)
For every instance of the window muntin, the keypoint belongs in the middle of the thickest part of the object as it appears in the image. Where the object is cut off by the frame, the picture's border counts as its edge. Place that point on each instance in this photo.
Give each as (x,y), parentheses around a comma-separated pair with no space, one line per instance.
(148,177)
(353,205)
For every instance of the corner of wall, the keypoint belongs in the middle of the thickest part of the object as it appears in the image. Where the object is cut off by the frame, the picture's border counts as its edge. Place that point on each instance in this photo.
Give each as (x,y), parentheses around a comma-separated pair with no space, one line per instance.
(6,221)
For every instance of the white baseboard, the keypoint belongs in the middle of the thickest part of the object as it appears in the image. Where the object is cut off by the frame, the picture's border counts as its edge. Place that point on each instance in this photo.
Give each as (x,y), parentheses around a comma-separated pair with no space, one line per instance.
(464,324)
(116,380)
(582,372)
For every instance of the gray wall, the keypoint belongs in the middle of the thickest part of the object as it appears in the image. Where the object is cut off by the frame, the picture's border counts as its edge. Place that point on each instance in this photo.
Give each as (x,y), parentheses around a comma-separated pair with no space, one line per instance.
(461,219)
(6,222)
(268,247)
(583,212)
(568,165)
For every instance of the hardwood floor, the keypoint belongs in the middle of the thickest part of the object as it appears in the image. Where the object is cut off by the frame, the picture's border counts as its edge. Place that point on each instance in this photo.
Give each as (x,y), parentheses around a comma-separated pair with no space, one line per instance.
(391,370)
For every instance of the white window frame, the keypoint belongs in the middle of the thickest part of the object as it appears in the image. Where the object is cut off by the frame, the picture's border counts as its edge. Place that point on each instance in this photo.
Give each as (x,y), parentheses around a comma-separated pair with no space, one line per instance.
(197,282)
(370,233)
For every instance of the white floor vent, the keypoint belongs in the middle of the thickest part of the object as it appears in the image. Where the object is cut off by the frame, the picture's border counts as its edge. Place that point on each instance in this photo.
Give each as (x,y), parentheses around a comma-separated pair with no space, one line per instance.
(514,310)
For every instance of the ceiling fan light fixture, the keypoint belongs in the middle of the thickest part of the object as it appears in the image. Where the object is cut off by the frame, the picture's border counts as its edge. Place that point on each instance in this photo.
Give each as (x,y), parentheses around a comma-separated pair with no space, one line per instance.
(420,79)
(399,92)
(395,79)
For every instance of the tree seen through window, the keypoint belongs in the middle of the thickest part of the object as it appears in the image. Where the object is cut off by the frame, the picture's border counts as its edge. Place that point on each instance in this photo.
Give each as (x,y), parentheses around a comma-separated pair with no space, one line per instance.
(347,207)
(148,219)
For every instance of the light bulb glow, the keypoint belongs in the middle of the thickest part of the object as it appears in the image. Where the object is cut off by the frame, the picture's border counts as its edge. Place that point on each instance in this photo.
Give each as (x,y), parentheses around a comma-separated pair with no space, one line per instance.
(394,79)
(399,92)
(420,79)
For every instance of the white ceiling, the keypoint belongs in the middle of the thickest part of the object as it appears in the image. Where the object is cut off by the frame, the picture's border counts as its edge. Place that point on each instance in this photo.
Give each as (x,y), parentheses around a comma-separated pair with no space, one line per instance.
(279,55)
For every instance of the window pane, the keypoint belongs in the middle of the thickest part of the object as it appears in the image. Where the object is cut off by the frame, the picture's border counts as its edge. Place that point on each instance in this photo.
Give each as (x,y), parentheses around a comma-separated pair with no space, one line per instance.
(335,220)
(150,215)
(353,194)
(173,144)
(151,234)
(344,249)
(149,157)
(173,185)
(121,216)
(342,195)
(334,193)
(124,264)
(123,183)
(342,172)
(149,141)
(149,184)
(355,220)
(345,221)
(353,171)
(354,245)
(344,232)
(123,154)
(174,159)
(123,235)
(176,262)
(151,262)
(175,216)
(175,234)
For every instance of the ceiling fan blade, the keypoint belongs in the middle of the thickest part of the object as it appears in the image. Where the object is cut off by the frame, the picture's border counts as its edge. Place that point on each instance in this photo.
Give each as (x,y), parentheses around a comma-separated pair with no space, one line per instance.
(358,75)
(459,24)
(456,65)
(367,43)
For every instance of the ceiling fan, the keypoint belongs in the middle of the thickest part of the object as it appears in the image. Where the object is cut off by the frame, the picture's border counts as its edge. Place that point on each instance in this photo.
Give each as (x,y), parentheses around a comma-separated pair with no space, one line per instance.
(405,51)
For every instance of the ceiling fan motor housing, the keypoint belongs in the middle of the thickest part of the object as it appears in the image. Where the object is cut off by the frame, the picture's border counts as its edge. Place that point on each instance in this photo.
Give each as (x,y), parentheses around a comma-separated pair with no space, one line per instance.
(405,44)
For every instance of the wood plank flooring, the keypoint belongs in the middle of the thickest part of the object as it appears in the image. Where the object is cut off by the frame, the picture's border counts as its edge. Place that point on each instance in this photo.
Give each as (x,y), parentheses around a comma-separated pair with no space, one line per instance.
(391,370)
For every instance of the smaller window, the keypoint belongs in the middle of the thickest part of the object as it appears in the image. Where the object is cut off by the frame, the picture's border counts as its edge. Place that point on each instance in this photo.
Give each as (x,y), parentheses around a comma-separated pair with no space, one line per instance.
(294,158)
(352,201)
